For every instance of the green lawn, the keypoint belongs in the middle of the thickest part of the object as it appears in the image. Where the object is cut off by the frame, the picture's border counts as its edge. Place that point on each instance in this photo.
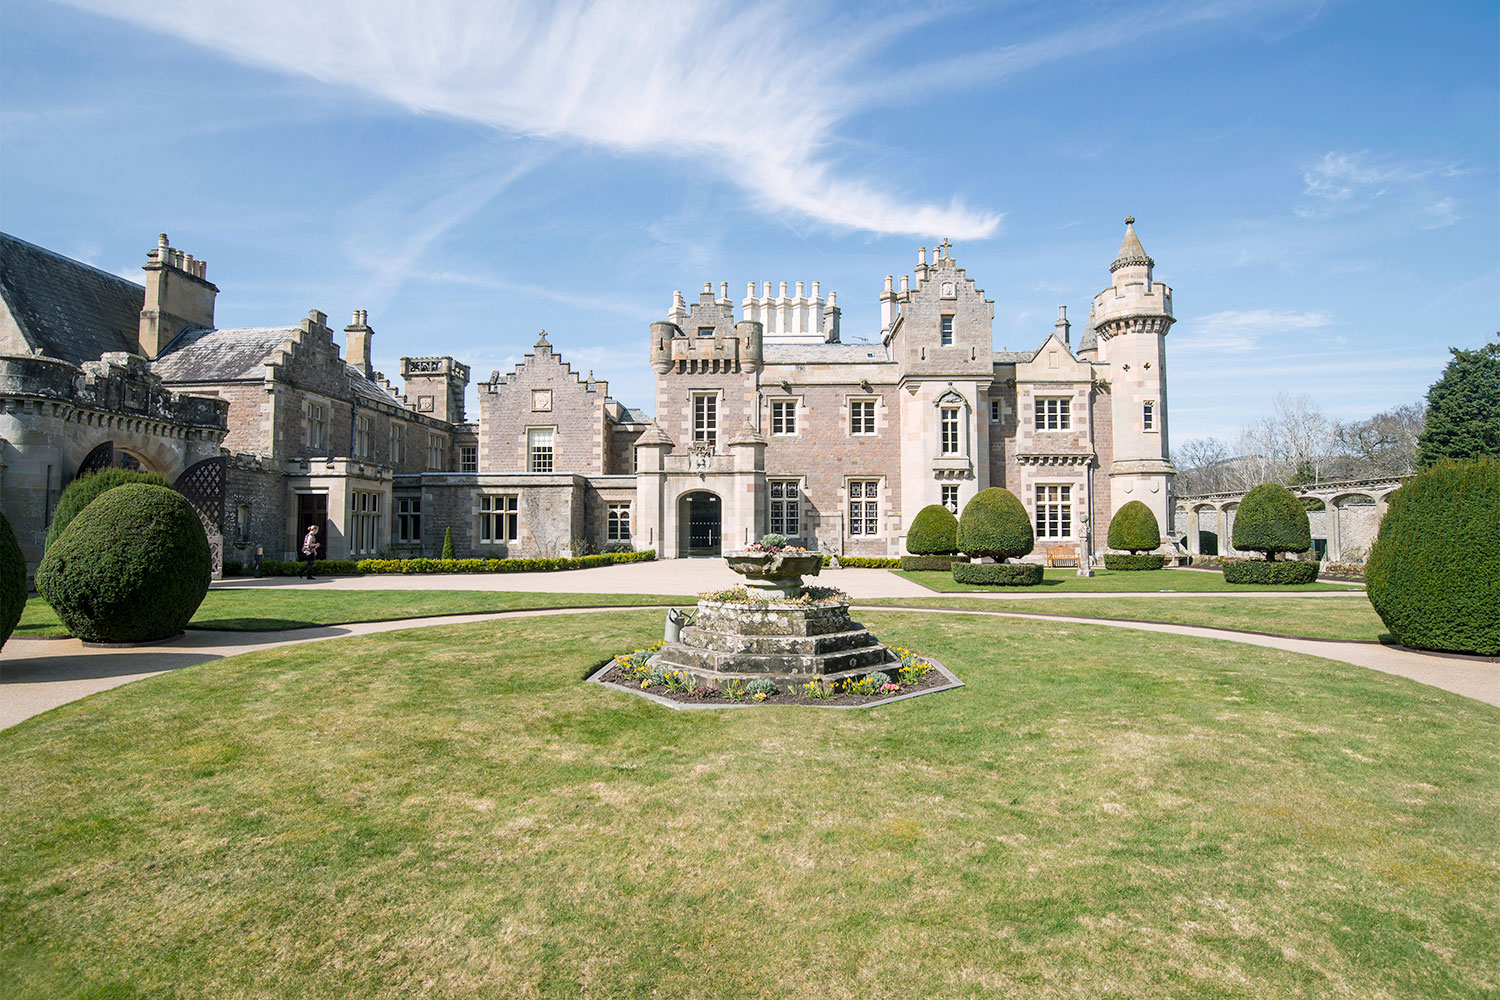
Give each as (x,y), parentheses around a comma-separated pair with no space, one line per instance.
(1322,617)
(449,812)
(1110,582)
(259,608)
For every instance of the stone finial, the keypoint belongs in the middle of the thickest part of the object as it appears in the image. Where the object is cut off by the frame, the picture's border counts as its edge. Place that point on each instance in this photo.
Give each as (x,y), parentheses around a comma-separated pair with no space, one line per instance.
(921,256)
(541,340)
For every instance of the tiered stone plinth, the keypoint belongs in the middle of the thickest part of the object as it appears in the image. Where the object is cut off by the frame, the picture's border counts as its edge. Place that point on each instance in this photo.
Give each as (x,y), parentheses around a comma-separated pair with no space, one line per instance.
(786,642)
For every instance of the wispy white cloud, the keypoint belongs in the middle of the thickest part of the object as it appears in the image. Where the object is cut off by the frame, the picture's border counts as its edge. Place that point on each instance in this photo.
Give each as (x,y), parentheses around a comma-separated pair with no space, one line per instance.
(755,92)
(1345,182)
(1239,331)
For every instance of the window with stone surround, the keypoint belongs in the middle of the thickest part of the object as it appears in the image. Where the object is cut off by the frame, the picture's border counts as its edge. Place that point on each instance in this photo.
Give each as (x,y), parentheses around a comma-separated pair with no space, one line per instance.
(499,518)
(995,412)
(950,497)
(1148,415)
(706,419)
(862,417)
(362,438)
(1054,511)
(945,330)
(539,447)
(316,429)
(948,431)
(409,519)
(435,448)
(864,507)
(468,458)
(398,443)
(786,506)
(618,527)
(364,523)
(783,417)
(1054,413)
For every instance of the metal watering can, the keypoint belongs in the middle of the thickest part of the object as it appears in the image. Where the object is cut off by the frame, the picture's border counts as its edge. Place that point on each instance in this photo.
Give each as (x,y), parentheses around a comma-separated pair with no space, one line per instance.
(676,619)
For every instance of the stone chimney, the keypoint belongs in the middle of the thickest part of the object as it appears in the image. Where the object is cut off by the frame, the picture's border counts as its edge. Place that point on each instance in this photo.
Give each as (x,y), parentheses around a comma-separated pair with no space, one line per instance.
(357,342)
(179,297)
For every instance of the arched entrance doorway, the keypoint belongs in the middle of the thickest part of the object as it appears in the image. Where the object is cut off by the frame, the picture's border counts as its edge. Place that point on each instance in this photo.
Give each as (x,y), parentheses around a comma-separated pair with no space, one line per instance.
(700,523)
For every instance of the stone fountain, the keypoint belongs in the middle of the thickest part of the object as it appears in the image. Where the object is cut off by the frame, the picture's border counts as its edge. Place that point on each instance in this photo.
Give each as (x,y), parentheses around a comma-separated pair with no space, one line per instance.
(776,633)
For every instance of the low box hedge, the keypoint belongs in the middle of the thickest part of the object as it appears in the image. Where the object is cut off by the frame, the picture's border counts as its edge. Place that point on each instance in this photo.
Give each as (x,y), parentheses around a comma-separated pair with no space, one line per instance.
(1127,561)
(998,574)
(1263,571)
(351,567)
(863,562)
(912,563)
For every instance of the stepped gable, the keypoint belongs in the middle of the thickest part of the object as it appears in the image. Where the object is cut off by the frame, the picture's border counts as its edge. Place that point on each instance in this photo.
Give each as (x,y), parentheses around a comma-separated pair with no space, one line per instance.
(66,309)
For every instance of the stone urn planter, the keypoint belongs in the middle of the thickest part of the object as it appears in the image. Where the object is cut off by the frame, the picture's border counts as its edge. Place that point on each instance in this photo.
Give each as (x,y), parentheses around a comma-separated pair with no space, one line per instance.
(775,572)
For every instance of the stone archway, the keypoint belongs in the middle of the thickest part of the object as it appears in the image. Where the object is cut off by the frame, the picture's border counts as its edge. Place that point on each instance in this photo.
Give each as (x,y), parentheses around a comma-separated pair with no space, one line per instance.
(700,520)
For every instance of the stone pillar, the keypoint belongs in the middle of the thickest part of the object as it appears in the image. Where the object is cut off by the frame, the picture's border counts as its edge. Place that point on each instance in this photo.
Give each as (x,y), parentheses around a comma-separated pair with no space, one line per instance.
(1335,550)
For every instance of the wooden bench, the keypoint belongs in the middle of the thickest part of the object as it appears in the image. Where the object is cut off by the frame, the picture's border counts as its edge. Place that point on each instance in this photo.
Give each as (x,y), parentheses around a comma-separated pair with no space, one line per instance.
(1059,555)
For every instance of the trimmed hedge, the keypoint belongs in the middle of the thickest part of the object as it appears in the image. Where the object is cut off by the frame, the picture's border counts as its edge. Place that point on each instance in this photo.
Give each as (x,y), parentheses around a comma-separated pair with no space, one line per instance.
(85,489)
(12,580)
(1134,529)
(133,566)
(998,574)
(994,524)
(1433,575)
(913,563)
(1121,561)
(934,532)
(1271,520)
(351,567)
(863,562)
(1263,571)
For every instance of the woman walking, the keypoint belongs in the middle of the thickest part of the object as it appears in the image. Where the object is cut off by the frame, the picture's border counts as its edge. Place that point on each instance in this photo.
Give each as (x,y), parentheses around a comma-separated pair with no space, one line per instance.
(309,551)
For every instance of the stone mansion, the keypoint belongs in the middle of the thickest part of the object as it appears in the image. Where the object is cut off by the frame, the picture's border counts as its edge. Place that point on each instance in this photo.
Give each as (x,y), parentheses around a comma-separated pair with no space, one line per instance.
(763,422)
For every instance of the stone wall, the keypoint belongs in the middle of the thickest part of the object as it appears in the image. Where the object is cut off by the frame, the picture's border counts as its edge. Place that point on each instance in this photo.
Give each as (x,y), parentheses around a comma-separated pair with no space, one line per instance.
(543,391)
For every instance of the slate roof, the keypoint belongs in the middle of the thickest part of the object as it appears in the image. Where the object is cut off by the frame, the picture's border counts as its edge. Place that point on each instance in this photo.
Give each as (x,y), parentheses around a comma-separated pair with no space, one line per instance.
(634,415)
(72,311)
(824,354)
(1013,357)
(1090,339)
(369,388)
(221,355)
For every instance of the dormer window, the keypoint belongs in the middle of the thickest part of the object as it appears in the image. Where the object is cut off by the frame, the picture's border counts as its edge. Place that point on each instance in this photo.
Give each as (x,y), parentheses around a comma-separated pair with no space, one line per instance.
(945,331)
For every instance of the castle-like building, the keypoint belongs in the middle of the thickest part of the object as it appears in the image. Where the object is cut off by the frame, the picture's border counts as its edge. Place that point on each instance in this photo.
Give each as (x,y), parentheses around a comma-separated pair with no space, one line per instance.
(768,422)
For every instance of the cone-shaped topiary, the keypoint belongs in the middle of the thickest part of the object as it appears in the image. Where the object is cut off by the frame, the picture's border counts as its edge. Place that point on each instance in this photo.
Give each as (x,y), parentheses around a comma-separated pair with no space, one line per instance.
(448,543)
(1271,520)
(1433,575)
(1134,528)
(133,566)
(994,524)
(83,490)
(934,532)
(12,581)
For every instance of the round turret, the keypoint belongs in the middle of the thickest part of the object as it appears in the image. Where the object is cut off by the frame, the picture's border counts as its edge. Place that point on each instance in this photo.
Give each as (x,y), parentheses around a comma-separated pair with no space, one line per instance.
(661,345)
(752,339)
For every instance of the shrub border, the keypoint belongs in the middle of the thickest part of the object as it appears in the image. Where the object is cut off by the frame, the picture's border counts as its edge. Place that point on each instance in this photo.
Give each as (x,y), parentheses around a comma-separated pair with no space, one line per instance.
(1130,562)
(1263,571)
(999,574)
(361,567)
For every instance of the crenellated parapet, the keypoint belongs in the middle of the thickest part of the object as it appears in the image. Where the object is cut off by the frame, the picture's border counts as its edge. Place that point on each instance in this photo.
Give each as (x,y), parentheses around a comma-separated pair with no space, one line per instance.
(117,383)
(705,339)
(1135,302)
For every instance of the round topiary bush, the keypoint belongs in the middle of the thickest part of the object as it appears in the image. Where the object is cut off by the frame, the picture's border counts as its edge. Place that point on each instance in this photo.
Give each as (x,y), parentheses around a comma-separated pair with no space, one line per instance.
(1131,561)
(1271,520)
(85,489)
(1134,529)
(1433,575)
(998,574)
(12,580)
(934,532)
(1264,572)
(133,566)
(994,524)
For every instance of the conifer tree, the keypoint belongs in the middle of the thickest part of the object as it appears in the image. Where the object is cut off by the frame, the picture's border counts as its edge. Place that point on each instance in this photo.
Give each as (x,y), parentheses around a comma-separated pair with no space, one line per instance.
(1463,408)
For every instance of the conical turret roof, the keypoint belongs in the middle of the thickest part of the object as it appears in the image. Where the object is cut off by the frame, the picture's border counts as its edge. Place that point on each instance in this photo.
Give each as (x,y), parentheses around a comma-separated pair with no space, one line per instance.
(1131,251)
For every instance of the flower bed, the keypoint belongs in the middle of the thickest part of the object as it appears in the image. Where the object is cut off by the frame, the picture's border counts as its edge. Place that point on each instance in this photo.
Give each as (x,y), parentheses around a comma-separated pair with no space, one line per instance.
(633,671)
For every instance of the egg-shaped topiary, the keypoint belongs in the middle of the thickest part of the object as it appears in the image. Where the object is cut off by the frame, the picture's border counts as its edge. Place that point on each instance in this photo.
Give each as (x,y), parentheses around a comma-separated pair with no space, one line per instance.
(1433,574)
(1271,520)
(995,525)
(1134,528)
(86,489)
(12,580)
(133,566)
(934,532)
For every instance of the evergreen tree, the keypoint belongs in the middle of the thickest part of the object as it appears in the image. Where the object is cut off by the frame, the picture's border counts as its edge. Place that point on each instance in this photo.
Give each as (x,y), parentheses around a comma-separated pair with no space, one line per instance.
(1463,408)
(448,543)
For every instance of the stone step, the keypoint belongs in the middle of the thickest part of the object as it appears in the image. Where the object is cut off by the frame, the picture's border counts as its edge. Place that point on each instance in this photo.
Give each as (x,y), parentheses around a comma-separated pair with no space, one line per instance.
(776,620)
(777,645)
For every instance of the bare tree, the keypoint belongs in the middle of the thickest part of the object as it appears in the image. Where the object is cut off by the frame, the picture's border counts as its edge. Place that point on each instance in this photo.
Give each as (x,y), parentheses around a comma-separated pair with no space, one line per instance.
(1203,466)
(1385,444)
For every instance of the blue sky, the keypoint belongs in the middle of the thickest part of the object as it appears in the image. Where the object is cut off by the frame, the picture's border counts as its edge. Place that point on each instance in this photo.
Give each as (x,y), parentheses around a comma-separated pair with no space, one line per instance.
(1317,181)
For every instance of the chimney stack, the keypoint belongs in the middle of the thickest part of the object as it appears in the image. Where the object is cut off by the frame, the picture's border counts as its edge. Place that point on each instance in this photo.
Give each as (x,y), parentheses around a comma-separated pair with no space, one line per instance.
(179,297)
(357,336)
